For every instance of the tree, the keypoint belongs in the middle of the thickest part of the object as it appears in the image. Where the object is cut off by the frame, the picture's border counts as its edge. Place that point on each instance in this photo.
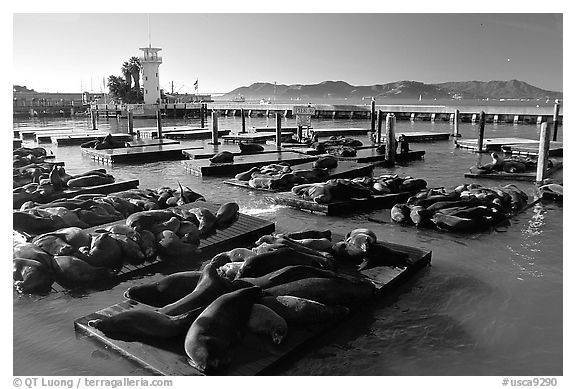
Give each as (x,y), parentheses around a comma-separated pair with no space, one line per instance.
(121,89)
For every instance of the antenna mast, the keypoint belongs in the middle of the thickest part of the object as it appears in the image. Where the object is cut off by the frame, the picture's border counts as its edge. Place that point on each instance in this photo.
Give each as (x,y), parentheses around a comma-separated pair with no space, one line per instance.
(149,39)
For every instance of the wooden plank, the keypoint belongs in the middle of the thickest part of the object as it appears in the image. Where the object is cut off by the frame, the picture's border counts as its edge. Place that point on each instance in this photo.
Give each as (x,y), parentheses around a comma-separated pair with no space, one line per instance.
(46,136)
(327,132)
(371,155)
(159,152)
(234,149)
(530,176)
(260,137)
(151,142)
(493,144)
(243,163)
(531,150)
(180,134)
(273,129)
(423,136)
(254,354)
(244,231)
(341,207)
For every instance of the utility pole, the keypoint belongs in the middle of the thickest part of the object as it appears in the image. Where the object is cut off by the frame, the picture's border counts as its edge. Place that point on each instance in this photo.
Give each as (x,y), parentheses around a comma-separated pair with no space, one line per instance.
(172,87)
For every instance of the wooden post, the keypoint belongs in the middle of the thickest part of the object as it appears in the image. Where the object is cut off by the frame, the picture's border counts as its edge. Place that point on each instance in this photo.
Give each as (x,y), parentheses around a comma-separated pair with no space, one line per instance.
(243,120)
(543,153)
(379,132)
(202,115)
(130,122)
(555,120)
(214,128)
(299,133)
(481,131)
(373,115)
(93,117)
(456,124)
(390,154)
(159,122)
(278,131)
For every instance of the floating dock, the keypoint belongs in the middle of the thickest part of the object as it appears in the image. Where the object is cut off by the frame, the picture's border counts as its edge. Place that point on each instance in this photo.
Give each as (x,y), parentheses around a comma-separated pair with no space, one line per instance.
(160,152)
(423,136)
(151,142)
(243,163)
(345,169)
(190,154)
(293,130)
(341,207)
(371,155)
(497,144)
(180,133)
(531,150)
(327,132)
(46,137)
(528,176)
(253,137)
(245,231)
(254,354)
(71,140)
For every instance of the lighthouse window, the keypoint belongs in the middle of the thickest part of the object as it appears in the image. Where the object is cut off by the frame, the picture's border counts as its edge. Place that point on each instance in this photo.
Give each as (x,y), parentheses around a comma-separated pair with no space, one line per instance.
(156,74)
(146,91)
(146,78)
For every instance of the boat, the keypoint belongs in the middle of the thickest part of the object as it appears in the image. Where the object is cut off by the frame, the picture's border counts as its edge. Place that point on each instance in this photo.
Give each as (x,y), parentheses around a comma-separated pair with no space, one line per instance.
(265,101)
(239,99)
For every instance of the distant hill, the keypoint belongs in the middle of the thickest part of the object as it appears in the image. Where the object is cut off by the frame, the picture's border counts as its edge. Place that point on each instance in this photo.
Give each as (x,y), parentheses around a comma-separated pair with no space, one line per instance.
(512,89)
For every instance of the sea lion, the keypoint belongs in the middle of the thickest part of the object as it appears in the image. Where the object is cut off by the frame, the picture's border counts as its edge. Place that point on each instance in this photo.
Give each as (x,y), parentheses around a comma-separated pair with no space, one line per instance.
(311,175)
(412,184)
(210,338)
(207,221)
(279,240)
(250,148)
(262,264)
(131,250)
(32,251)
(229,270)
(265,321)
(288,274)
(74,236)
(329,291)
(54,245)
(171,246)
(90,180)
(553,191)
(70,217)
(71,271)
(144,324)
(222,157)
(172,224)
(31,276)
(381,255)
(301,311)
(209,287)
(227,214)
(240,254)
(104,251)
(322,244)
(56,180)
(359,242)
(144,220)
(165,291)
(325,162)
(148,244)
(123,229)
(420,216)
(32,224)
(247,175)
(310,234)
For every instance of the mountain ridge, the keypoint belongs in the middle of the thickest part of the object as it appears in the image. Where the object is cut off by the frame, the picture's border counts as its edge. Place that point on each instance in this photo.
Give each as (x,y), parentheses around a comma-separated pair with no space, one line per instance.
(510,89)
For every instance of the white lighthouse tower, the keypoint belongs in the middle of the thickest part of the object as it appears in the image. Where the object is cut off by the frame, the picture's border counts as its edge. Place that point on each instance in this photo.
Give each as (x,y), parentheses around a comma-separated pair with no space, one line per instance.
(150,62)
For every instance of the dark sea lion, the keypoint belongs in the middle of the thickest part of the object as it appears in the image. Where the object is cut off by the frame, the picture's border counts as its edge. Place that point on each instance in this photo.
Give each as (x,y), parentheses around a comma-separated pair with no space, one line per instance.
(412,184)
(32,224)
(227,214)
(165,291)
(222,157)
(56,180)
(93,218)
(144,324)
(301,311)
(210,338)
(329,291)
(72,271)
(381,255)
(310,234)
(207,221)
(104,251)
(247,175)
(288,274)
(143,220)
(420,216)
(31,251)
(250,148)
(131,251)
(265,321)
(455,223)
(31,276)
(209,287)
(172,247)
(148,244)
(90,180)
(326,162)
(172,224)
(123,229)
(74,236)
(262,264)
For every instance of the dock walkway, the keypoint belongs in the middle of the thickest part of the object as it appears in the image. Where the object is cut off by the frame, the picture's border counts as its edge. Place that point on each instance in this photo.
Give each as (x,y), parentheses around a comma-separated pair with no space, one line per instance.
(160,152)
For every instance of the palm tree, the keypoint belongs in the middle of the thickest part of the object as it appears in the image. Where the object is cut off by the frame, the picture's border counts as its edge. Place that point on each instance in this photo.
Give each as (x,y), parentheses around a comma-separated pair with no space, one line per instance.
(135,66)
(127,72)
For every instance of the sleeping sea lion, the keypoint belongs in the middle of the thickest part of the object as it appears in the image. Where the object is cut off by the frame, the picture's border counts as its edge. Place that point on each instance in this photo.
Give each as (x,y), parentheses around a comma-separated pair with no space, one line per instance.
(310,234)
(301,311)
(227,214)
(165,291)
(326,162)
(90,180)
(54,245)
(210,338)
(222,157)
(250,148)
(288,274)
(144,324)
(171,246)
(31,276)
(265,263)
(247,175)
(207,221)
(71,271)
(104,251)
(144,220)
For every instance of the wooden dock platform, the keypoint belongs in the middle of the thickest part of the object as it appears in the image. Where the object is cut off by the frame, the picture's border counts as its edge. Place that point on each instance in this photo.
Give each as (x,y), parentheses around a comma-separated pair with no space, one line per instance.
(293,130)
(151,142)
(423,136)
(253,137)
(160,152)
(46,136)
(254,354)
(531,150)
(371,155)
(71,140)
(341,207)
(495,144)
(245,231)
(180,134)
(528,176)
(191,154)
(345,169)
(243,163)
(327,132)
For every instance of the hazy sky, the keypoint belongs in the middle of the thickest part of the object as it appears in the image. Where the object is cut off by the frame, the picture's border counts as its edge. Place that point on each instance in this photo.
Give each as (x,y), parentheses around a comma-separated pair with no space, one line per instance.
(61,52)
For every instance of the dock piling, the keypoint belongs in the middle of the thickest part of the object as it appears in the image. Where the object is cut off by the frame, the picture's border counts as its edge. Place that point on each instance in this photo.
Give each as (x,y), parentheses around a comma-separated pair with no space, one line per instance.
(243,120)
(379,132)
(93,117)
(555,120)
(543,150)
(482,122)
(202,115)
(390,154)
(214,128)
(456,124)
(278,131)
(130,122)
(159,122)
(373,115)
